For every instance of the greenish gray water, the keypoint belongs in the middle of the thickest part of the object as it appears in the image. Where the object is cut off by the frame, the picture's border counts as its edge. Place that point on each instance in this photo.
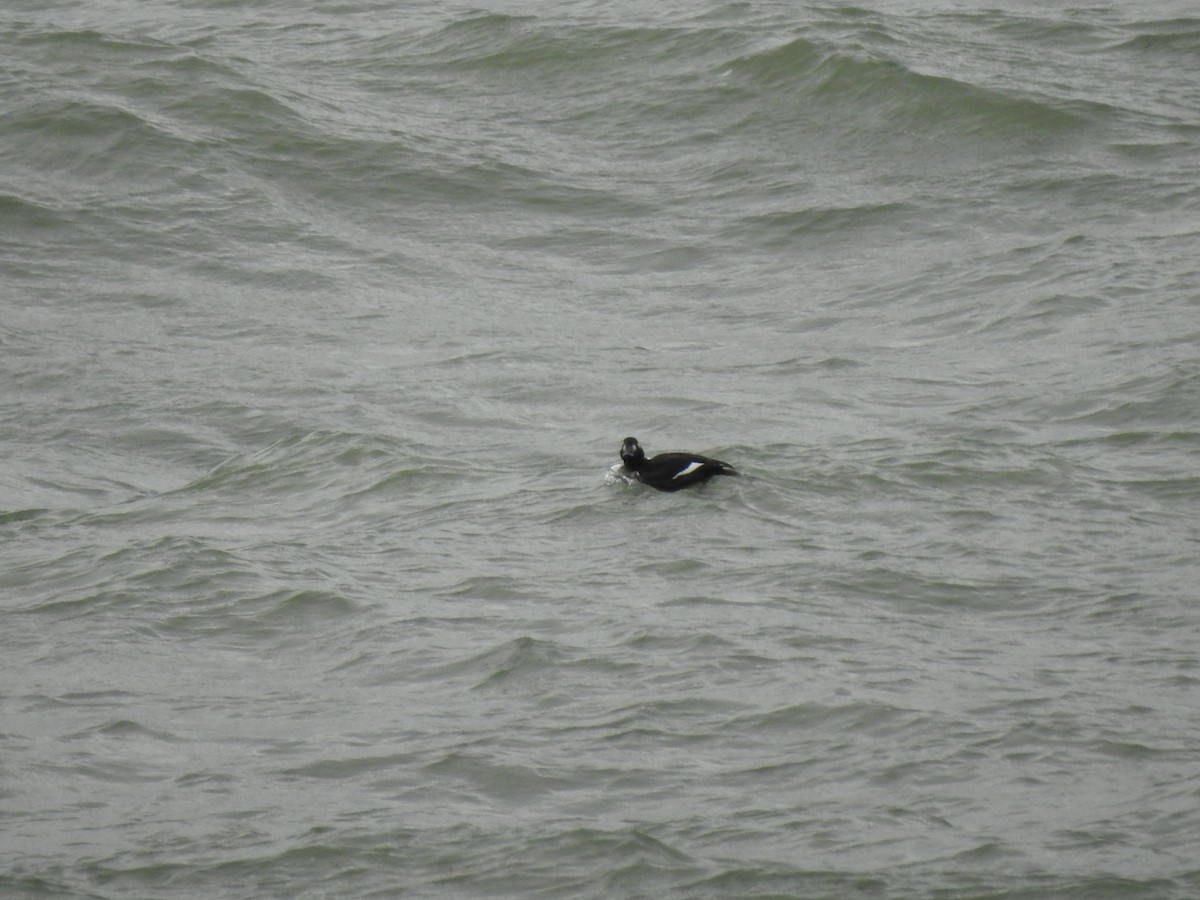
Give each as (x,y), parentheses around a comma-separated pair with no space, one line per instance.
(320,326)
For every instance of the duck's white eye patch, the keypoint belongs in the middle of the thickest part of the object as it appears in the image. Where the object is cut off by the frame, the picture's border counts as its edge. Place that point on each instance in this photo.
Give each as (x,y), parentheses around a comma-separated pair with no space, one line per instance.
(690,467)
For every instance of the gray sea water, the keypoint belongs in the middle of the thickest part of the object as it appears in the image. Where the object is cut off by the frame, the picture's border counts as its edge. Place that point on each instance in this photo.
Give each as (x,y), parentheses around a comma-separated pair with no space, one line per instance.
(322,322)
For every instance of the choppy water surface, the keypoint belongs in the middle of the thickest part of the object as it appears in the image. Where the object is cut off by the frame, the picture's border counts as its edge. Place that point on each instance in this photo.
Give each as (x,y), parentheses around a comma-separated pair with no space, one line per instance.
(320,325)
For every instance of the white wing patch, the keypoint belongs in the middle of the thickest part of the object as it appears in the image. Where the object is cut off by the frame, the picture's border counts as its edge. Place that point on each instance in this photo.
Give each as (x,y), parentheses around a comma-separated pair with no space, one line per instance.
(689,468)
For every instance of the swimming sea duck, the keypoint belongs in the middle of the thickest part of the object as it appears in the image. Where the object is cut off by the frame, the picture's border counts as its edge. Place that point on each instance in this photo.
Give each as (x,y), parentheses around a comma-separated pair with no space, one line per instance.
(670,471)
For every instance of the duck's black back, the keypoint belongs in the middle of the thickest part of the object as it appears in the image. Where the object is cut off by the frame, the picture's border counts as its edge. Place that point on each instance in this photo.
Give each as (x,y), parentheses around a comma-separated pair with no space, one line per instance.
(675,471)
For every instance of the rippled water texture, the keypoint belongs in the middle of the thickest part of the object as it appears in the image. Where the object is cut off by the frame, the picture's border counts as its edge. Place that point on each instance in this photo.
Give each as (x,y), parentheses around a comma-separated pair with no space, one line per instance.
(321,325)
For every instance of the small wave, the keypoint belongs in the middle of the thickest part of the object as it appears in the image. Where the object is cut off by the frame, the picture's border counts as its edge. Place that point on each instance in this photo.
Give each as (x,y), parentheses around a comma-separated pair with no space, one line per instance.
(781,229)
(211,782)
(509,45)
(866,718)
(489,587)
(318,471)
(508,782)
(305,606)
(123,729)
(1163,402)
(74,43)
(349,767)
(878,93)
(22,515)
(245,618)
(509,661)
(21,213)
(98,138)
(1169,37)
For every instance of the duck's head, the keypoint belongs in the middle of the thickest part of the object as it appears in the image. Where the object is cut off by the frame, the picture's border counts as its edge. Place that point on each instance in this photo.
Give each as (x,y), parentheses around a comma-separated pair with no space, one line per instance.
(632,454)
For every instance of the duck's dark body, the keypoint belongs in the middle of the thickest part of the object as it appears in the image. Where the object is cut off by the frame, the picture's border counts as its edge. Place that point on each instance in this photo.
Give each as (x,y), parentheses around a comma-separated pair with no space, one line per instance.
(670,471)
